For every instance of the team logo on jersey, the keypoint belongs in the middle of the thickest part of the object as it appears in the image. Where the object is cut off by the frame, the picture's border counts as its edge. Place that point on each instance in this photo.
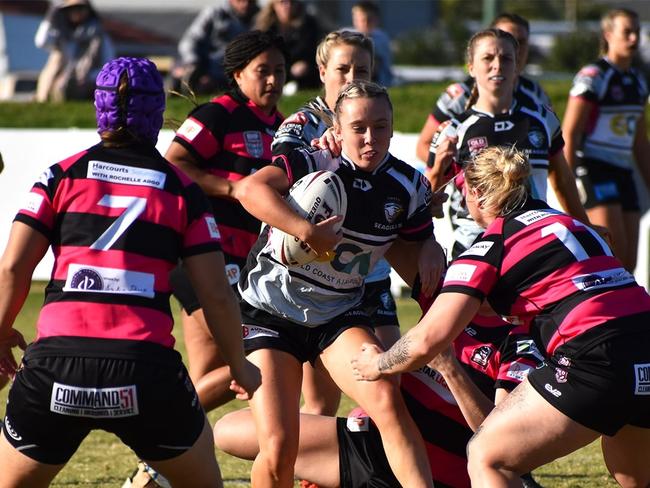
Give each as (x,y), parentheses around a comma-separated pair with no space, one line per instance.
(118,402)
(392,211)
(537,138)
(503,125)
(617,92)
(361,184)
(623,124)
(253,142)
(477,144)
(481,355)
(642,379)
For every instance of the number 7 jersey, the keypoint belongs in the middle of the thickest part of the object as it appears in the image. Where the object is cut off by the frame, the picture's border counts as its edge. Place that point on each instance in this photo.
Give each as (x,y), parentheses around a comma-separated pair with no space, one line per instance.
(549,273)
(118,220)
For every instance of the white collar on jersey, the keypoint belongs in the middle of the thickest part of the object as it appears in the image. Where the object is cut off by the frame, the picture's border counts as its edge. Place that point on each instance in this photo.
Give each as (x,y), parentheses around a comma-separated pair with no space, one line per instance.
(346,160)
(512,108)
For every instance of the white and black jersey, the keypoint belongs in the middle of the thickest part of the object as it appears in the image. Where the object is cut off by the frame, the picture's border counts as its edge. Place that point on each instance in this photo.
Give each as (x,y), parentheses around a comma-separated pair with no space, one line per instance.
(531,128)
(452,102)
(618,99)
(298,130)
(395,199)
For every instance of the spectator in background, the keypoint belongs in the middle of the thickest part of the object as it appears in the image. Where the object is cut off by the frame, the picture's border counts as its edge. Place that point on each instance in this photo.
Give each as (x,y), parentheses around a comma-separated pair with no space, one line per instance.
(301,32)
(365,19)
(202,47)
(79,47)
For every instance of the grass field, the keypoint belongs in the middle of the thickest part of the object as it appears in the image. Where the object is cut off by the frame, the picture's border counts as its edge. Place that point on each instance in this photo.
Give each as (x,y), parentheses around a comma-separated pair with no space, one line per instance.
(103,462)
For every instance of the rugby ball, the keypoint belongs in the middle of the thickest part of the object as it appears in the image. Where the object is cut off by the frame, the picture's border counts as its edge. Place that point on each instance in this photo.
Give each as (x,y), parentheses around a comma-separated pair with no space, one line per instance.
(315,197)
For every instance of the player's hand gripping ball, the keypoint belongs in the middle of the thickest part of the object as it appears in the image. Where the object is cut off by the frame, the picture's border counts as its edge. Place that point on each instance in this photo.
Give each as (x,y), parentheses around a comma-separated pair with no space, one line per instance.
(315,197)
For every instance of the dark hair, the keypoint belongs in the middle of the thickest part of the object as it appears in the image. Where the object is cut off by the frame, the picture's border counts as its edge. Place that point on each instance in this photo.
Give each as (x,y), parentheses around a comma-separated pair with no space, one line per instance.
(492,32)
(508,18)
(246,47)
(368,7)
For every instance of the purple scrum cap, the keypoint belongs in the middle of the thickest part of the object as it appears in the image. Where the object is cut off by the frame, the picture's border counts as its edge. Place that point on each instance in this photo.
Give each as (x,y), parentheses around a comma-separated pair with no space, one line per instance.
(145,99)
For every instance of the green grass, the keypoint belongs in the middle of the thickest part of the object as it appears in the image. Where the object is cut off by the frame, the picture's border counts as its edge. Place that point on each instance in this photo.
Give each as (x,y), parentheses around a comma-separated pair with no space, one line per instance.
(103,462)
(412,105)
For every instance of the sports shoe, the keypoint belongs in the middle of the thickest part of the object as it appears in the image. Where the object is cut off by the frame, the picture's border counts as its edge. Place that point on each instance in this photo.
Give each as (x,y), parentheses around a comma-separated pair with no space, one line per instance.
(527,481)
(145,476)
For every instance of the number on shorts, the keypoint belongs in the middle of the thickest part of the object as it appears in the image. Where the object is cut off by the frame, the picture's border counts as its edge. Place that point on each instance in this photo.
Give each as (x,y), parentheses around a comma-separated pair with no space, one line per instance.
(570,241)
(133,206)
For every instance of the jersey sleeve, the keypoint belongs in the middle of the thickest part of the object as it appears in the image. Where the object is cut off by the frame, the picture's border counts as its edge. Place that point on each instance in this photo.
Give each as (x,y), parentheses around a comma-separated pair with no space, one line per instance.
(202,131)
(202,233)
(587,83)
(554,130)
(476,271)
(293,132)
(419,225)
(37,209)
(519,356)
(451,102)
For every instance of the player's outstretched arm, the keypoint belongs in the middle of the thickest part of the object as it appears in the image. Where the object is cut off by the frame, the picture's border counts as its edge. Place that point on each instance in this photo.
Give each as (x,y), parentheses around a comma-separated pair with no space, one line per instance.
(221,311)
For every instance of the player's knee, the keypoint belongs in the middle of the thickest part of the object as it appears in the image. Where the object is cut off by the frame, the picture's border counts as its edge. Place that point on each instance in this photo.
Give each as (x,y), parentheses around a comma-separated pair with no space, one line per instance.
(279,451)
(384,404)
(478,453)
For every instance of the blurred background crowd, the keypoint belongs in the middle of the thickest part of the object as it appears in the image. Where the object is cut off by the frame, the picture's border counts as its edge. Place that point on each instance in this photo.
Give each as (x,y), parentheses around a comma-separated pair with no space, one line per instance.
(52,50)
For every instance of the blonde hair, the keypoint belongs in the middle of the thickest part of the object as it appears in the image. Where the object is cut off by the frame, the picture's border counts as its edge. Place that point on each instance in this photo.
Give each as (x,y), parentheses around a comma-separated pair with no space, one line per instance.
(607,24)
(471,46)
(343,37)
(361,89)
(500,176)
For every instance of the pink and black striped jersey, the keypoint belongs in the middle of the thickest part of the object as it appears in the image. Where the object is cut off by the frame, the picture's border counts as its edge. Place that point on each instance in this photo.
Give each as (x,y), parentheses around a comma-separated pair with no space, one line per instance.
(231,137)
(548,273)
(118,220)
(495,356)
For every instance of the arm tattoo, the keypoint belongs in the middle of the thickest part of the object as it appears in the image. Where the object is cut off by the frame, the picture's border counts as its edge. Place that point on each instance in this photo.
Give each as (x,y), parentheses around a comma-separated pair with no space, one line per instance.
(398,354)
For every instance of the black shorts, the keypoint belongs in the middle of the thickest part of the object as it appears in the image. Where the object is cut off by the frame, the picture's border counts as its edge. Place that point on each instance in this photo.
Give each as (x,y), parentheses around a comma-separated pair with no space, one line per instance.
(362,460)
(601,379)
(600,183)
(265,331)
(56,400)
(184,292)
(379,303)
